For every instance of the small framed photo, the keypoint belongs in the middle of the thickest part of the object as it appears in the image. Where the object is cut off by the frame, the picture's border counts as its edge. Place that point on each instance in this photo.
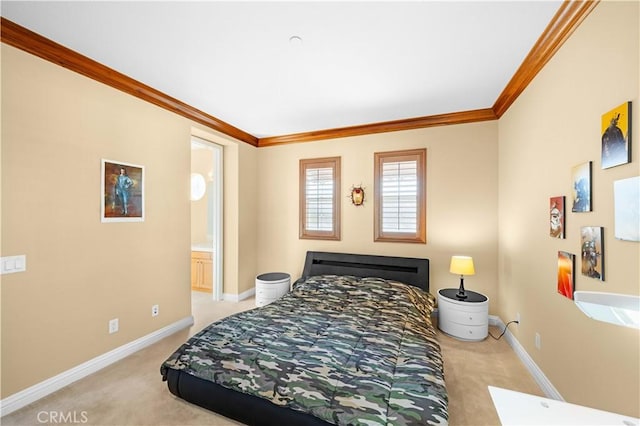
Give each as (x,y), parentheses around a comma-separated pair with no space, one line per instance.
(122,187)
(556,217)
(626,203)
(592,243)
(566,277)
(616,136)
(581,187)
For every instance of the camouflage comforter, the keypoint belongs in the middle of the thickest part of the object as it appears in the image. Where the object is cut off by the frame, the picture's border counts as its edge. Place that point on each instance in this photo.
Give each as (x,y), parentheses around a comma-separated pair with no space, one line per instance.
(347,350)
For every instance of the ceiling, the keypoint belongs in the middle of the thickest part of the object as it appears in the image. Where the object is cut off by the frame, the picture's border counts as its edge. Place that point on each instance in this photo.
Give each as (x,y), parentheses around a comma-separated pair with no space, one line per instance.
(282,68)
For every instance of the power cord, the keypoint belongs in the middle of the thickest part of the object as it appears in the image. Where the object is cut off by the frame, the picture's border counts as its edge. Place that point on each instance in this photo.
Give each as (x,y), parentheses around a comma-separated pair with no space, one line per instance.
(505,329)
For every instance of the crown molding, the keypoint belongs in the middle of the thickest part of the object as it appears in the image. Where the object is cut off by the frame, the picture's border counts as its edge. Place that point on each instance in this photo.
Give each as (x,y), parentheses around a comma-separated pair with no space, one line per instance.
(568,17)
(35,44)
(383,127)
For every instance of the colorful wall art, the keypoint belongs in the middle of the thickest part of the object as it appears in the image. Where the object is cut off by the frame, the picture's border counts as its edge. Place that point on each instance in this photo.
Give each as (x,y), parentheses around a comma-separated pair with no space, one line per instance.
(566,277)
(592,243)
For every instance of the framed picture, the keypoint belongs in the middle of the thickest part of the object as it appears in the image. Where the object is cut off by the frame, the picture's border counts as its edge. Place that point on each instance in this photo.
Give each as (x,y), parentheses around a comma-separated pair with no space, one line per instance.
(616,136)
(581,183)
(122,187)
(556,217)
(566,277)
(626,203)
(592,241)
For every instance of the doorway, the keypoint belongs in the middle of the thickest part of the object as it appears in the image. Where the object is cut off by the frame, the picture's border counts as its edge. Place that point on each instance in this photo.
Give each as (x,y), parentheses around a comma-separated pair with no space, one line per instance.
(206,218)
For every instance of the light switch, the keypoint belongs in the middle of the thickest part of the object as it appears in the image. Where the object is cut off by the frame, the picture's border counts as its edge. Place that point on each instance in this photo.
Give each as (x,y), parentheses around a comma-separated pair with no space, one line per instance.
(11,264)
(20,263)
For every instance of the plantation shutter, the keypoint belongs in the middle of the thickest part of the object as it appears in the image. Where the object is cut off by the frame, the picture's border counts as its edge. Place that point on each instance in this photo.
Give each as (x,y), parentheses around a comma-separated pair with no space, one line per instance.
(400,196)
(319,195)
(319,204)
(400,211)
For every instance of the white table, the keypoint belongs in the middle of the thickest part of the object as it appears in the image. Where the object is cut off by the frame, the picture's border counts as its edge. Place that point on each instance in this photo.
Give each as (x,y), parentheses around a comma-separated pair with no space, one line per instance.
(517,408)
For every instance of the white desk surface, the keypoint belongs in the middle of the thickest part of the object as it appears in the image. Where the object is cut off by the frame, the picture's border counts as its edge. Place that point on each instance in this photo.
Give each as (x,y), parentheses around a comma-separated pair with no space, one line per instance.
(516,408)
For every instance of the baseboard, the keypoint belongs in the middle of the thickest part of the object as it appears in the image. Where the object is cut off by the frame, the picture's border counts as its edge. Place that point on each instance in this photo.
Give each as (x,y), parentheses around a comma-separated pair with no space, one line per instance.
(27,396)
(238,297)
(545,384)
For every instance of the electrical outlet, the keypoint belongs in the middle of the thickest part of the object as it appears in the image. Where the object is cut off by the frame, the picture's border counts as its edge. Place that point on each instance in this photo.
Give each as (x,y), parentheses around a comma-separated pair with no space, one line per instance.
(155,310)
(538,342)
(518,319)
(113,326)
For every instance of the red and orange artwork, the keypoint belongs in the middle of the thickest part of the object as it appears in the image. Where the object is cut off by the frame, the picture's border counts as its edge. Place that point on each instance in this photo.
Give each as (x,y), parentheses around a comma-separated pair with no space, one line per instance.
(566,262)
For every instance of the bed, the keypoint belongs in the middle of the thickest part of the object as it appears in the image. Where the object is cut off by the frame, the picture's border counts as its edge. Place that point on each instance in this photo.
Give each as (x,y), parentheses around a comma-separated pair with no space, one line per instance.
(351,343)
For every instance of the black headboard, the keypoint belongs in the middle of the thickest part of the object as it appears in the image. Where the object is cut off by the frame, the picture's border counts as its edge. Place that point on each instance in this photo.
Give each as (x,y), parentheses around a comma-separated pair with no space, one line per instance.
(409,270)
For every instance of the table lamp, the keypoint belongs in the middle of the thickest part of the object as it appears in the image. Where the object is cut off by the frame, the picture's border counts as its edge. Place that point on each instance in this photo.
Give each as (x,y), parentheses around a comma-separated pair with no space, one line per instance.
(462,265)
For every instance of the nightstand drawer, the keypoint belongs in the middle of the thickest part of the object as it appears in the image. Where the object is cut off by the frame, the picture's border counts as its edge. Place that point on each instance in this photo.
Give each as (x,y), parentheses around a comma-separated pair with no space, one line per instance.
(470,317)
(267,292)
(466,332)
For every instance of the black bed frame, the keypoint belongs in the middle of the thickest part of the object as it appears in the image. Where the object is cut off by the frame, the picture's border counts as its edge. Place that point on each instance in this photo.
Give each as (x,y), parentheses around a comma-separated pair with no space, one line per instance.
(409,270)
(252,410)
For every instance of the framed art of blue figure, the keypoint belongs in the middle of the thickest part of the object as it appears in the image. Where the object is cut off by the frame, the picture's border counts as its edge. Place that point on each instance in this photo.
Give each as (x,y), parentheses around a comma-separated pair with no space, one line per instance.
(122,192)
(581,187)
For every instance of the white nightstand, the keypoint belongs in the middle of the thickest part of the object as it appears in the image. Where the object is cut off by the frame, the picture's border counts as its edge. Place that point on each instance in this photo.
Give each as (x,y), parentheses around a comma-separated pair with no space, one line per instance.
(271,287)
(466,319)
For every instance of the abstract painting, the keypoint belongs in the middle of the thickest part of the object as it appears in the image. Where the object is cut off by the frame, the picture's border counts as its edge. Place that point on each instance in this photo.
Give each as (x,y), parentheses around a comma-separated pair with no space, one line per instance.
(566,278)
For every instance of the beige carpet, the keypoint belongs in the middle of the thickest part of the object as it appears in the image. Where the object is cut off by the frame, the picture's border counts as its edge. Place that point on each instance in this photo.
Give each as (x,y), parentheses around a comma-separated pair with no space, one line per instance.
(131,392)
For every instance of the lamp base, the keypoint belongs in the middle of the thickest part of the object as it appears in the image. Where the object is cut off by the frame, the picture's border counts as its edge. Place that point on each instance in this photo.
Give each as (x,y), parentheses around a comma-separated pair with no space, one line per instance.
(461,294)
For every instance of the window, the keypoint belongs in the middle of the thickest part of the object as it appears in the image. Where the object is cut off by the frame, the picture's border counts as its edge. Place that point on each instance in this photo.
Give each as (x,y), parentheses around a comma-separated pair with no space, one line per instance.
(399,199)
(319,205)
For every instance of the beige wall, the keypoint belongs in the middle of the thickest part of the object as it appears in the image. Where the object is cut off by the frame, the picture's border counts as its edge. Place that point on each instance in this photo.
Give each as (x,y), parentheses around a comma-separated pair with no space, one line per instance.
(248,212)
(461,201)
(553,126)
(56,127)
